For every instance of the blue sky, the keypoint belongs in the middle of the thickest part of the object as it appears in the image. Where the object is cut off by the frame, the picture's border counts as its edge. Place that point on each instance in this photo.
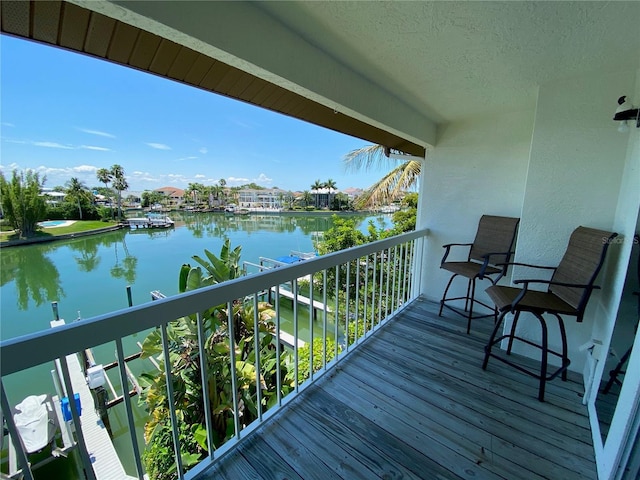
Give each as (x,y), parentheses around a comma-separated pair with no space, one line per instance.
(66,115)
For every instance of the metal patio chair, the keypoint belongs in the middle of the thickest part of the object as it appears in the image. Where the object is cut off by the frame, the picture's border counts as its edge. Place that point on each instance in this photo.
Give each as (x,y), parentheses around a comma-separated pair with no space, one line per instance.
(567,293)
(488,257)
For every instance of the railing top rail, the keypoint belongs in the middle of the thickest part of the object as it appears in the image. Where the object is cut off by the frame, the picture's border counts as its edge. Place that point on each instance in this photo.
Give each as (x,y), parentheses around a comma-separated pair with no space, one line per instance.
(47,345)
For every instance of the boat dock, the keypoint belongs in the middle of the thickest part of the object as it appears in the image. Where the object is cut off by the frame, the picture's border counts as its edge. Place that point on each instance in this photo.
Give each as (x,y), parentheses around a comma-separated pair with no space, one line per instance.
(150,221)
(301,299)
(105,461)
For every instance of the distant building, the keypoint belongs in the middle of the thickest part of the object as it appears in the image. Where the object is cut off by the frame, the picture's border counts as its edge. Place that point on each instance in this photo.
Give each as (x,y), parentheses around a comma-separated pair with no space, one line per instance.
(175,196)
(51,196)
(267,199)
(323,197)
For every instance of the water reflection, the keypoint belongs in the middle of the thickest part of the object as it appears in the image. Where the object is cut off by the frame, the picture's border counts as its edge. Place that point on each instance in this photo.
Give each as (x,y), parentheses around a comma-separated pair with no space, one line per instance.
(92,268)
(36,277)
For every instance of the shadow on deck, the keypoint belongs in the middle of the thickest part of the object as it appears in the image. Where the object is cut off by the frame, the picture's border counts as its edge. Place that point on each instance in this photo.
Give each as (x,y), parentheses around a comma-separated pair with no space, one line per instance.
(413,402)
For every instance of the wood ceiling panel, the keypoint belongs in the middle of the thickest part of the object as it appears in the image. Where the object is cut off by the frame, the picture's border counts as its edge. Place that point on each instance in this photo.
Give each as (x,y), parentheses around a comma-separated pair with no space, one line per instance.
(280,103)
(165,57)
(46,21)
(241,85)
(273,98)
(99,35)
(122,43)
(75,22)
(229,79)
(288,103)
(263,94)
(144,50)
(198,70)
(213,76)
(182,64)
(253,89)
(16,18)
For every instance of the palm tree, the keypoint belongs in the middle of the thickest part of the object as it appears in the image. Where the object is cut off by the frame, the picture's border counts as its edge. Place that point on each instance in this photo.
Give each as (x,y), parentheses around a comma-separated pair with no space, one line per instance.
(315,187)
(392,185)
(77,191)
(105,176)
(306,198)
(120,184)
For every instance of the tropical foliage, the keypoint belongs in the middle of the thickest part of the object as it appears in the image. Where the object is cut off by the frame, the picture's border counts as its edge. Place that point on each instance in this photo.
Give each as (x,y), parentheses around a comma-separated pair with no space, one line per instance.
(22,204)
(186,372)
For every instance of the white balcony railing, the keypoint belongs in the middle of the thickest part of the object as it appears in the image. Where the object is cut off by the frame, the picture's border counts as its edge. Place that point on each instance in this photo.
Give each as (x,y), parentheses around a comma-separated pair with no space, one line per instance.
(374,281)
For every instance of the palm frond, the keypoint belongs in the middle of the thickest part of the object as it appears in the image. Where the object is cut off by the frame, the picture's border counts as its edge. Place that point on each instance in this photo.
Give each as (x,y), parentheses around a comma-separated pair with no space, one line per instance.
(367,158)
(392,185)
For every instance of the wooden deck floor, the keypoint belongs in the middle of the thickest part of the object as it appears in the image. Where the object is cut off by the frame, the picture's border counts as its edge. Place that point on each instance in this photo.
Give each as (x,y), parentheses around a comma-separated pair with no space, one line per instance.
(413,402)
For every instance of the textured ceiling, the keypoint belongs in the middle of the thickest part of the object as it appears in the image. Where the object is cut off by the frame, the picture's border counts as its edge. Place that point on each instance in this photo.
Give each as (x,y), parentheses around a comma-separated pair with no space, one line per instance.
(455,59)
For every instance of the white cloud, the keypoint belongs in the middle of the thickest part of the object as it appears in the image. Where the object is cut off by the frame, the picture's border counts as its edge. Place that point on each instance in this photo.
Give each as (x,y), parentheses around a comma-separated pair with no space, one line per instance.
(52,145)
(85,168)
(7,124)
(203,150)
(92,147)
(262,179)
(236,181)
(199,175)
(159,146)
(97,132)
(187,158)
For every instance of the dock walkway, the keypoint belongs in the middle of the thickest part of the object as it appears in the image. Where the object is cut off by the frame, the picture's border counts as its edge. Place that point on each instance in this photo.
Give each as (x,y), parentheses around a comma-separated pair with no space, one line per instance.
(105,461)
(104,458)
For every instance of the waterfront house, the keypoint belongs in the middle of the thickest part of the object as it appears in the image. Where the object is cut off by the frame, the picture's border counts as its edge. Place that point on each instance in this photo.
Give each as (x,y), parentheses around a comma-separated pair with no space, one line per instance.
(174,196)
(508,105)
(269,199)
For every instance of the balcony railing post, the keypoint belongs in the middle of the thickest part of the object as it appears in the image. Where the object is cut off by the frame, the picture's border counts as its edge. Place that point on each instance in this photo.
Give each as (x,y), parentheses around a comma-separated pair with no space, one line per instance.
(336,313)
(386,295)
(170,399)
(232,366)
(324,319)
(381,280)
(311,312)
(127,405)
(204,379)
(256,356)
(373,290)
(278,348)
(346,306)
(357,322)
(296,379)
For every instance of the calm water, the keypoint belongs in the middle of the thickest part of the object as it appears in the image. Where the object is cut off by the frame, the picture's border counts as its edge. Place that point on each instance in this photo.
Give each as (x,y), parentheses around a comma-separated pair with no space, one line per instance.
(88,276)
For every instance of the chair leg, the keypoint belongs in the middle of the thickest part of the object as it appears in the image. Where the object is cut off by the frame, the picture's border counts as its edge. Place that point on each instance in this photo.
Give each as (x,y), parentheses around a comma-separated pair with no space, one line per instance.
(444,295)
(472,284)
(466,300)
(487,348)
(512,334)
(565,356)
(543,359)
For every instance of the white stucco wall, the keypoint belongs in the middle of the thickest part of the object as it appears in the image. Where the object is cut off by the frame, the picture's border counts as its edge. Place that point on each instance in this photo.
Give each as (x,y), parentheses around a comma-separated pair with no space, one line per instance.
(477,167)
(574,177)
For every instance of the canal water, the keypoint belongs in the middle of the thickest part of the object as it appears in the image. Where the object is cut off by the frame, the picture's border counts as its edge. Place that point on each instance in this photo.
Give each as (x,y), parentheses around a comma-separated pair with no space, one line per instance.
(88,276)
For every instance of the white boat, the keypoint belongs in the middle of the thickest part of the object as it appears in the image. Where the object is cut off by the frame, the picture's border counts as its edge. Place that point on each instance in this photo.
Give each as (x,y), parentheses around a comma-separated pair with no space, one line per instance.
(35,422)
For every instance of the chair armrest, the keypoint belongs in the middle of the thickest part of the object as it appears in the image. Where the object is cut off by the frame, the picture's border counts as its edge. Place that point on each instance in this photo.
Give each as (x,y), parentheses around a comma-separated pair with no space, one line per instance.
(527,281)
(519,264)
(447,249)
(485,264)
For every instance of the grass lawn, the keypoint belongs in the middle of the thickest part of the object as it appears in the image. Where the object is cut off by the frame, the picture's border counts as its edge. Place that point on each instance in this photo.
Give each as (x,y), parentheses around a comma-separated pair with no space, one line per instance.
(78,226)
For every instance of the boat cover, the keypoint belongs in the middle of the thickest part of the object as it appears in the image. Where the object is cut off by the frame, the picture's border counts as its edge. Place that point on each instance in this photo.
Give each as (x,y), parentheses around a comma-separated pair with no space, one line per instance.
(32,422)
